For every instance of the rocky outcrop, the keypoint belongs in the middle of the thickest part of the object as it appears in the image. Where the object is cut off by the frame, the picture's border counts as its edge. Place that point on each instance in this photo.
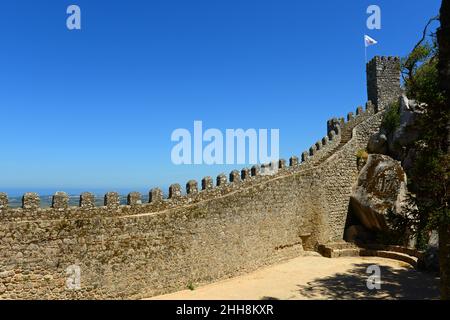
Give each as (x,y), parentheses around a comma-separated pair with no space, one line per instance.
(381,187)
(378,143)
(403,138)
(400,143)
(359,234)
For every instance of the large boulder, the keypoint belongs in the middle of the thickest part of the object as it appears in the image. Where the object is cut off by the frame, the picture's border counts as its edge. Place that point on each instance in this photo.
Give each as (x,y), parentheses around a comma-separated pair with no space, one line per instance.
(378,143)
(381,187)
(408,132)
(410,159)
(357,233)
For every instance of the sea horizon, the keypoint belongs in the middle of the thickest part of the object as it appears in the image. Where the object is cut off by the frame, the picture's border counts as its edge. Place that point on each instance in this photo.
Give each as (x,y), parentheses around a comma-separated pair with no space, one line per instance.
(15,201)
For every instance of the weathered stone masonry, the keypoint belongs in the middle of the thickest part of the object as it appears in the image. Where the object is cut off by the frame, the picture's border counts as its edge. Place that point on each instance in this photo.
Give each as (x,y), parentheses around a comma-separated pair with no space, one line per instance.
(210,233)
(383,81)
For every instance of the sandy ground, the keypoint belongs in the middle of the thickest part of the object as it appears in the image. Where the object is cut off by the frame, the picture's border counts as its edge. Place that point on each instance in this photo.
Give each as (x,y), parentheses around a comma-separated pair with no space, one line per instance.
(313,277)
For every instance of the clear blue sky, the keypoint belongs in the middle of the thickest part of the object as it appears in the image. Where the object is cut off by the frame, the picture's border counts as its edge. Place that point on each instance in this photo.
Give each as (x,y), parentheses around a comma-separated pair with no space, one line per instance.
(94,109)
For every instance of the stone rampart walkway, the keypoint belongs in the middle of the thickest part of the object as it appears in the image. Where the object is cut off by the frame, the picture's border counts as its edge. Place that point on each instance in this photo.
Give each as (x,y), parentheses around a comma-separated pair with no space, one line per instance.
(313,277)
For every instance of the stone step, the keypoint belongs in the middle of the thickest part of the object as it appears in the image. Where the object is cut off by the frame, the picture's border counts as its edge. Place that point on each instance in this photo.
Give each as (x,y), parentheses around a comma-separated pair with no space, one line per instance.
(390,255)
(346,136)
(338,249)
(347,249)
(393,248)
(341,245)
(349,252)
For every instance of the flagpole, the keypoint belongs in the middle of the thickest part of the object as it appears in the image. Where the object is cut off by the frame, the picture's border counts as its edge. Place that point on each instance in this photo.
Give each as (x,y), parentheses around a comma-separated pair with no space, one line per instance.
(365,51)
(368,41)
(365,48)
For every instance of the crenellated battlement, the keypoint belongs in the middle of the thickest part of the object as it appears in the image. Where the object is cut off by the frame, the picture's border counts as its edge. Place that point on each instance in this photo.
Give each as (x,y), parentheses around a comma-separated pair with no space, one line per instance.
(380,59)
(383,81)
(235,223)
(176,195)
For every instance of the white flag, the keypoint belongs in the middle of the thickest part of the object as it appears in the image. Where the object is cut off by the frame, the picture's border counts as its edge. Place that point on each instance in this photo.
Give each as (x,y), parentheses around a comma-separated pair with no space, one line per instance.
(369,41)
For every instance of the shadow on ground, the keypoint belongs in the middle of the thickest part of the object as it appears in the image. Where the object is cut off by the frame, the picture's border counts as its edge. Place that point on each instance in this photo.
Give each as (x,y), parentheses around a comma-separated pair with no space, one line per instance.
(402,283)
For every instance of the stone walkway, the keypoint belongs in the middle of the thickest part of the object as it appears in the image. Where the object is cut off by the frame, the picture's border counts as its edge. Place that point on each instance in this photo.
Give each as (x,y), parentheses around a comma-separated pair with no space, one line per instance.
(313,277)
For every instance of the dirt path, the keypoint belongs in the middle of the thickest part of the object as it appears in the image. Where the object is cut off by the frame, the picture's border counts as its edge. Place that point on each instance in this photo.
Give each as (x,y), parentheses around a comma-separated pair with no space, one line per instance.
(320,278)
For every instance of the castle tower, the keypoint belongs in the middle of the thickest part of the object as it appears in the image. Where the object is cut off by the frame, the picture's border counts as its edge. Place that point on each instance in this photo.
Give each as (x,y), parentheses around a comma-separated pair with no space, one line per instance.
(383,81)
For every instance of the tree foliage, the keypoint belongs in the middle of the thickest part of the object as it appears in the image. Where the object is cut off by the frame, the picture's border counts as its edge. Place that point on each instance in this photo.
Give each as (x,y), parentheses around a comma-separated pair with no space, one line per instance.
(391,118)
(430,175)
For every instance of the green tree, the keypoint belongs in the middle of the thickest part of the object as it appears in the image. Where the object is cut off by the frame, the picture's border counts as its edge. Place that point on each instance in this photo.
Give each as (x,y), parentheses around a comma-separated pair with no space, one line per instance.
(425,72)
(444,85)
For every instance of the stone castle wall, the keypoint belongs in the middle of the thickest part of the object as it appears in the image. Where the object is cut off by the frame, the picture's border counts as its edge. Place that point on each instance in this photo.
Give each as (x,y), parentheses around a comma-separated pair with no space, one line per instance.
(141,250)
(214,231)
(383,81)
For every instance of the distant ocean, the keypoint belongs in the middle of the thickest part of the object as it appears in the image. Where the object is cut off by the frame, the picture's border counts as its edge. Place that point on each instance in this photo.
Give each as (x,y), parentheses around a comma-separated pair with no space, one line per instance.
(74,200)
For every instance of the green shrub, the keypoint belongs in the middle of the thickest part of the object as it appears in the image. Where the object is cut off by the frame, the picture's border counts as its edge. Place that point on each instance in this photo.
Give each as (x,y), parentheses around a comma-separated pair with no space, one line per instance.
(362,154)
(191,286)
(361,157)
(391,119)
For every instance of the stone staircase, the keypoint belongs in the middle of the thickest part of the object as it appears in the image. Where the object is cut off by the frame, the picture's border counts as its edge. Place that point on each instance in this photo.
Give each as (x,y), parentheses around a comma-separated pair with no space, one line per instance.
(339,249)
(346,135)
(347,249)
